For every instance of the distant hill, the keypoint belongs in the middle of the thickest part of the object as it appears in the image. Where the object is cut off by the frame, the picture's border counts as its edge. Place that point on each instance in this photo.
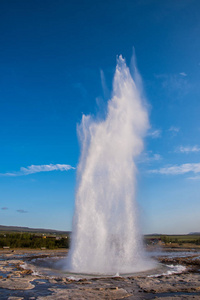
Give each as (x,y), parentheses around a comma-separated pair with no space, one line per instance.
(32,230)
(152,234)
(194,233)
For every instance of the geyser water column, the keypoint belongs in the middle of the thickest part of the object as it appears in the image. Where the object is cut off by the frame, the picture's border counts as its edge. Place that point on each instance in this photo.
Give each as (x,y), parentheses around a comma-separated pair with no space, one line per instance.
(106,237)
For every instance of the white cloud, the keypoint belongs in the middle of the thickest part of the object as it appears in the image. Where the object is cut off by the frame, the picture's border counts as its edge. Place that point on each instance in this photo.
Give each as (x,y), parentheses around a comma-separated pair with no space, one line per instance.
(38,168)
(178,169)
(188,149)
(194,178)
(183,74)
(155,134)
(156,157)
(174,129)
(148,157)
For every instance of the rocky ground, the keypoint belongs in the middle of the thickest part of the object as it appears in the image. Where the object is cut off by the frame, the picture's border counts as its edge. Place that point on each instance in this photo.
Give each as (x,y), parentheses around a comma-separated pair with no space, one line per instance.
(19,281)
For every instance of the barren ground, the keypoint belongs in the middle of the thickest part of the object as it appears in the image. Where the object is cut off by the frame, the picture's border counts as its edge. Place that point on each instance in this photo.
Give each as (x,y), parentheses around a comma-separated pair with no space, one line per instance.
(19,283)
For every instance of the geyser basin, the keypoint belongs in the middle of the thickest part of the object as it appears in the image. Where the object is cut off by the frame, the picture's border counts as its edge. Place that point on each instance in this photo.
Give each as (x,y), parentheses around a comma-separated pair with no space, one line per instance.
(53,266)
(106,238)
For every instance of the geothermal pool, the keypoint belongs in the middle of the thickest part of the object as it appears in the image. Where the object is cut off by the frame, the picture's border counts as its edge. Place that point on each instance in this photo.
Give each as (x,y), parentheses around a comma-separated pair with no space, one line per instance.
(53,266)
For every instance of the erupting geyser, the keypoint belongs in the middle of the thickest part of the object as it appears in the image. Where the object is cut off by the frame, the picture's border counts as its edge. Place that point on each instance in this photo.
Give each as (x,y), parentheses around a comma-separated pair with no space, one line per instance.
(106,237)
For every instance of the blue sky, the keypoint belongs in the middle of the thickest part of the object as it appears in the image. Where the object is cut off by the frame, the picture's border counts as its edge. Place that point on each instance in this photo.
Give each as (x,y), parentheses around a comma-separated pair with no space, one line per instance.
(54,58)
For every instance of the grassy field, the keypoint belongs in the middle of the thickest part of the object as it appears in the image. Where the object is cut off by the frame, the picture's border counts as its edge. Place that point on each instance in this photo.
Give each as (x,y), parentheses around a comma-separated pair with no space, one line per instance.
(173,239)
(46,240)
(33,240)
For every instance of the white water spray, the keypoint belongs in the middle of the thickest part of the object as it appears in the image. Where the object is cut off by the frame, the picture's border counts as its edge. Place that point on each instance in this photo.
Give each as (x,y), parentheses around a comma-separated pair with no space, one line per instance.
(106,238)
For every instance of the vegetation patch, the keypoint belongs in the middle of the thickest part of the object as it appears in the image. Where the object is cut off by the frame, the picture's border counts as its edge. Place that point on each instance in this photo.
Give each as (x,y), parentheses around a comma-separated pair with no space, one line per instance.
(30,240)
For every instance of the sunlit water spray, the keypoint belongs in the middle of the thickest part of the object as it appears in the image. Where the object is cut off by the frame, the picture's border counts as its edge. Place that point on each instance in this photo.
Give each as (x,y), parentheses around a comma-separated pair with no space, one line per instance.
(106,237)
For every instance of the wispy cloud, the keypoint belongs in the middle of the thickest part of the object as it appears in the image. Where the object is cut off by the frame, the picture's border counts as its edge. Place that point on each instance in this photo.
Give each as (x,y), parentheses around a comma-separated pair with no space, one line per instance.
(178,169)
(187,149)
(174,129)
(175,83)
(156,157)
(37,169)
(148,157)
(155,134)
(194,178)
(22,211)
(183,74)
(4,208)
